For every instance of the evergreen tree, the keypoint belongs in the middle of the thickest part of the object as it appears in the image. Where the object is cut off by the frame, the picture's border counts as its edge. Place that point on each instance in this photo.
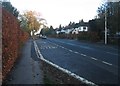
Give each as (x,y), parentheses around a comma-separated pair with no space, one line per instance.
(8,6)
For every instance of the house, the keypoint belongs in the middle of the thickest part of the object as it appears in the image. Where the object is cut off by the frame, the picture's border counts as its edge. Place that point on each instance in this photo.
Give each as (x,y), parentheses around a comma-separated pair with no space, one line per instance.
(83,26)
(65,31)
(58,31)
(80,27)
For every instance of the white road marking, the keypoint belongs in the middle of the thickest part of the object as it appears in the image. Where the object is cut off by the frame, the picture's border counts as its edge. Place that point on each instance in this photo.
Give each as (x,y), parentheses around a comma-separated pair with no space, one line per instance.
(62,47)
(76,52)
(93,58)
(53,47)
(83,54)
(106,63)
(108,47)
(111,53)
(70,50)
(48,47)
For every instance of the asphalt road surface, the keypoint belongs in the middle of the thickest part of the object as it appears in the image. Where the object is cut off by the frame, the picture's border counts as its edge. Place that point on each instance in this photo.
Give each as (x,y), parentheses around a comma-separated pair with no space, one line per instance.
(95,62)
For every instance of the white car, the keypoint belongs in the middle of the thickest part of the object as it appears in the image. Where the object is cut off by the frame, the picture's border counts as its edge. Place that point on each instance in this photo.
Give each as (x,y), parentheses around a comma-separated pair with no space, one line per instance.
(43,37)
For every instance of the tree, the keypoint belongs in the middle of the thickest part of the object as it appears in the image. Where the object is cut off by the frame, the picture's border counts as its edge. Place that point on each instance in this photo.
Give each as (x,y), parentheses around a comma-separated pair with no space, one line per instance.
(31,21)
(81,21)
(113,18)
(23,23)
(52,31)
(60,27)
(8,6)
(48,31)
(113,15)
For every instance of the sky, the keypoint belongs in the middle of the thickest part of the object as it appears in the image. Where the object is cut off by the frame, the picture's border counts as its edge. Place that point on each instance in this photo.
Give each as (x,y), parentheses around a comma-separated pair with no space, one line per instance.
(58,12)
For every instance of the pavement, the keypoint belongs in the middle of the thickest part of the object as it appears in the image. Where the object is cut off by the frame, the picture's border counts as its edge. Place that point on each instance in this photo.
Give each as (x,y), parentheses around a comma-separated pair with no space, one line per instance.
(27,68)
(94,62)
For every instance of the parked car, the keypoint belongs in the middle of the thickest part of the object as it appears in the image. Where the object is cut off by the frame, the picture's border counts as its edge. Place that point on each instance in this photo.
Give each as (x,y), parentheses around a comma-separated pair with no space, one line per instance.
(43,37)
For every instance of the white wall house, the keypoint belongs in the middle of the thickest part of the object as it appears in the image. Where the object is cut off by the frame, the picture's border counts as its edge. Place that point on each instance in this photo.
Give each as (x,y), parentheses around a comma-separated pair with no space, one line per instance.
(66,31)
(80,29)
(58,32)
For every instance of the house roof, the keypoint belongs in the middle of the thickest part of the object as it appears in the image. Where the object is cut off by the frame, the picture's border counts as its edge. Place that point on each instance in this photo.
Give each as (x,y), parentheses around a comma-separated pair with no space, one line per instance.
(83,24)
(75,26)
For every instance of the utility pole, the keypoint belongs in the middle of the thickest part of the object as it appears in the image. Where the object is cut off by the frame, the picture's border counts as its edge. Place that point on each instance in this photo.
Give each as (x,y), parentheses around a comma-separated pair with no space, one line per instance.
(106,18)
(105,25)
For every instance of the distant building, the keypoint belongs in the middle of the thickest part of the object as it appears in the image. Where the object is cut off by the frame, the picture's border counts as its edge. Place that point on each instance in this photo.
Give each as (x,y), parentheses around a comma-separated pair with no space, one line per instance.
(82,27)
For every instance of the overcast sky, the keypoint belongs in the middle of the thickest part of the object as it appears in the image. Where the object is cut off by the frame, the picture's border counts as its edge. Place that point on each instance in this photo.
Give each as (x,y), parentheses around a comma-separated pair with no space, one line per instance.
(58,12)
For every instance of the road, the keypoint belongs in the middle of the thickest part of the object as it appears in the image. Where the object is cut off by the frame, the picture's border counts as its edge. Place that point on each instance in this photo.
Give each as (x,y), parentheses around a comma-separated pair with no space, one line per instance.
(94,62)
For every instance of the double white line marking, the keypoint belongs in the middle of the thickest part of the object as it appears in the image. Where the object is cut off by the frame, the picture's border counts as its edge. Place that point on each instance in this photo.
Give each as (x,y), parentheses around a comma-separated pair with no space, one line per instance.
(93,58)
(106,63)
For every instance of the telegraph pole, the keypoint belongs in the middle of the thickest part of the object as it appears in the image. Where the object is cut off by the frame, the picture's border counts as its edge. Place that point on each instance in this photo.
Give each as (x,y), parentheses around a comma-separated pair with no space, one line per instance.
(105,25)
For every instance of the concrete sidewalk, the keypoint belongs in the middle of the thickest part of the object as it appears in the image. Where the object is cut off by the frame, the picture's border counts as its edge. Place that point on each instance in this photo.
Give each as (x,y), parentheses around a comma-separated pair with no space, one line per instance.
(26,70)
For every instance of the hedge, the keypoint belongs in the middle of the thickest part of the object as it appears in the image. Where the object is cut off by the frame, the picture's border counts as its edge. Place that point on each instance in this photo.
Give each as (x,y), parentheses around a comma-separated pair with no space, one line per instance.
(12,38)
